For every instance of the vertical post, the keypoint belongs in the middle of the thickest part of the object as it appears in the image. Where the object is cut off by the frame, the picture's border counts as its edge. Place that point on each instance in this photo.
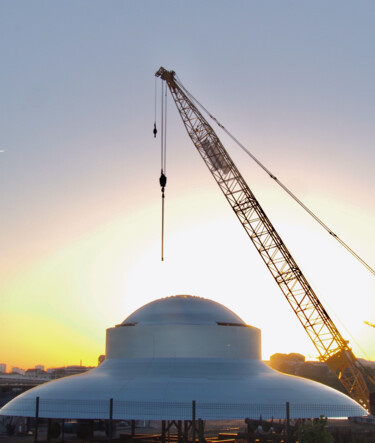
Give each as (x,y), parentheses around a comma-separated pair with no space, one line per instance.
(133,428)
(36,419)
(163,431)
(49,429)
(186,431)
(63,430)
(193,422)
(110,418)
(287,422)
(91,431)
(200,431)
(247,421)
(179,431)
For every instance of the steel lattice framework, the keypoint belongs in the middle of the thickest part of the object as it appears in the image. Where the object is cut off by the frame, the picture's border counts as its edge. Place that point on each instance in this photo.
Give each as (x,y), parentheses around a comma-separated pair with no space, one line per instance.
(331,346)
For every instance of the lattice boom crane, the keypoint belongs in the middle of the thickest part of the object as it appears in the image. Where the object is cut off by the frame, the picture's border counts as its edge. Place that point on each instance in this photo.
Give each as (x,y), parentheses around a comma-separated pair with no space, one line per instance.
(331,346)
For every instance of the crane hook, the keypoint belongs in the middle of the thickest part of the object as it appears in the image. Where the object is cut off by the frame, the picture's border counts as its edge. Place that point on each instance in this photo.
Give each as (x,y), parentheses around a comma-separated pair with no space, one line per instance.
(163,182)
(155,131)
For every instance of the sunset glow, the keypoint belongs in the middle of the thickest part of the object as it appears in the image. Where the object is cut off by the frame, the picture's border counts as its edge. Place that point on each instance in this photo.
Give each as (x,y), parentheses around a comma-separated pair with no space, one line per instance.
(80,225)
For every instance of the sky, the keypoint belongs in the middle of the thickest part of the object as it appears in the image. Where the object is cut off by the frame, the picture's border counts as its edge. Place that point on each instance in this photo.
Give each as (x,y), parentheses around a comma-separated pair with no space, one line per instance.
(80,202)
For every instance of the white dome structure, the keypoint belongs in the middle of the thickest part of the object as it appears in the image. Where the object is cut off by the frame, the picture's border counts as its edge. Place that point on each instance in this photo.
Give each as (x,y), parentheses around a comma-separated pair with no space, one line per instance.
(174,351)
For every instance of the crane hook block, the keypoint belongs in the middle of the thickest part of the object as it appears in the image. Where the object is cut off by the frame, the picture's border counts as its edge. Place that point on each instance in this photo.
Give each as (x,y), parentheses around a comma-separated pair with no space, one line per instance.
(155,131)
(162,181)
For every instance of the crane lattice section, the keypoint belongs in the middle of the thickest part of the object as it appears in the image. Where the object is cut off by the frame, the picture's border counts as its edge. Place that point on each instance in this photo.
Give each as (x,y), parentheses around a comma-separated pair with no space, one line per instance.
(331,346)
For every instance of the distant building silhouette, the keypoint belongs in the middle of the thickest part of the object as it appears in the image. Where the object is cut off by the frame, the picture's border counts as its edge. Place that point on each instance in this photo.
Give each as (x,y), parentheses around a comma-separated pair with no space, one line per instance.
(295,364)
(19,371)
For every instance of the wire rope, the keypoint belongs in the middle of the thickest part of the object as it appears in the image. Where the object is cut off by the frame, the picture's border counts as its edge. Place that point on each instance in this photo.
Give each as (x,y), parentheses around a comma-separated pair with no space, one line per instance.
(155,131)
(284,187)
(337,317)
(155,102)
(165,132)
(162,128)
(163,159)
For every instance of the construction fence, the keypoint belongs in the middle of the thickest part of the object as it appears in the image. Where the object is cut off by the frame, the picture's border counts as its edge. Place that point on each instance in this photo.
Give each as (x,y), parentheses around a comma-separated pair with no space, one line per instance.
(141,410)
(113,420)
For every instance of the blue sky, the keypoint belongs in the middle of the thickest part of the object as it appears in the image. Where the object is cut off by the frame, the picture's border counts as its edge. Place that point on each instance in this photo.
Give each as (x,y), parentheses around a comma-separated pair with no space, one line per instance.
(79,172)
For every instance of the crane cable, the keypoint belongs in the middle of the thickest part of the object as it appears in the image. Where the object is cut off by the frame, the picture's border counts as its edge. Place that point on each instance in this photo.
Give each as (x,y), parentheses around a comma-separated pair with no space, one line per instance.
(287,190)
(155,131)
(164,91)
(163,159)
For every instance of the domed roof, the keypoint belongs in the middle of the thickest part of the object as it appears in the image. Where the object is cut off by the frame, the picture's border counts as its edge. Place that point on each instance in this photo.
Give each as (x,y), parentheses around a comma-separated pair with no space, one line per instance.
(183,309)
(174,351)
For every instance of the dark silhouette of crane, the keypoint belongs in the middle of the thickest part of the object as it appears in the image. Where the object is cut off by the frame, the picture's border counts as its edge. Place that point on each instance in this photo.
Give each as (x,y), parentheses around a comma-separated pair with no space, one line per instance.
(333,349)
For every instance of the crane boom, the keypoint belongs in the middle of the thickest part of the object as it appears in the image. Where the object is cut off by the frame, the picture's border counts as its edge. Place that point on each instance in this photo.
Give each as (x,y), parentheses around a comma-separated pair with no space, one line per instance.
(331,346)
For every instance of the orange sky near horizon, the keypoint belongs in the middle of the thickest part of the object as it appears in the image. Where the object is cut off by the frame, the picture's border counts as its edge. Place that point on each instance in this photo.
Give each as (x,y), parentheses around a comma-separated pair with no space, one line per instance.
(61,306)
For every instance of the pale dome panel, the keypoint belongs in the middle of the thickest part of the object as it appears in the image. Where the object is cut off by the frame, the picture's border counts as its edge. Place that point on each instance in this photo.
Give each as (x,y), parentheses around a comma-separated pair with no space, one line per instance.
(183,309)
